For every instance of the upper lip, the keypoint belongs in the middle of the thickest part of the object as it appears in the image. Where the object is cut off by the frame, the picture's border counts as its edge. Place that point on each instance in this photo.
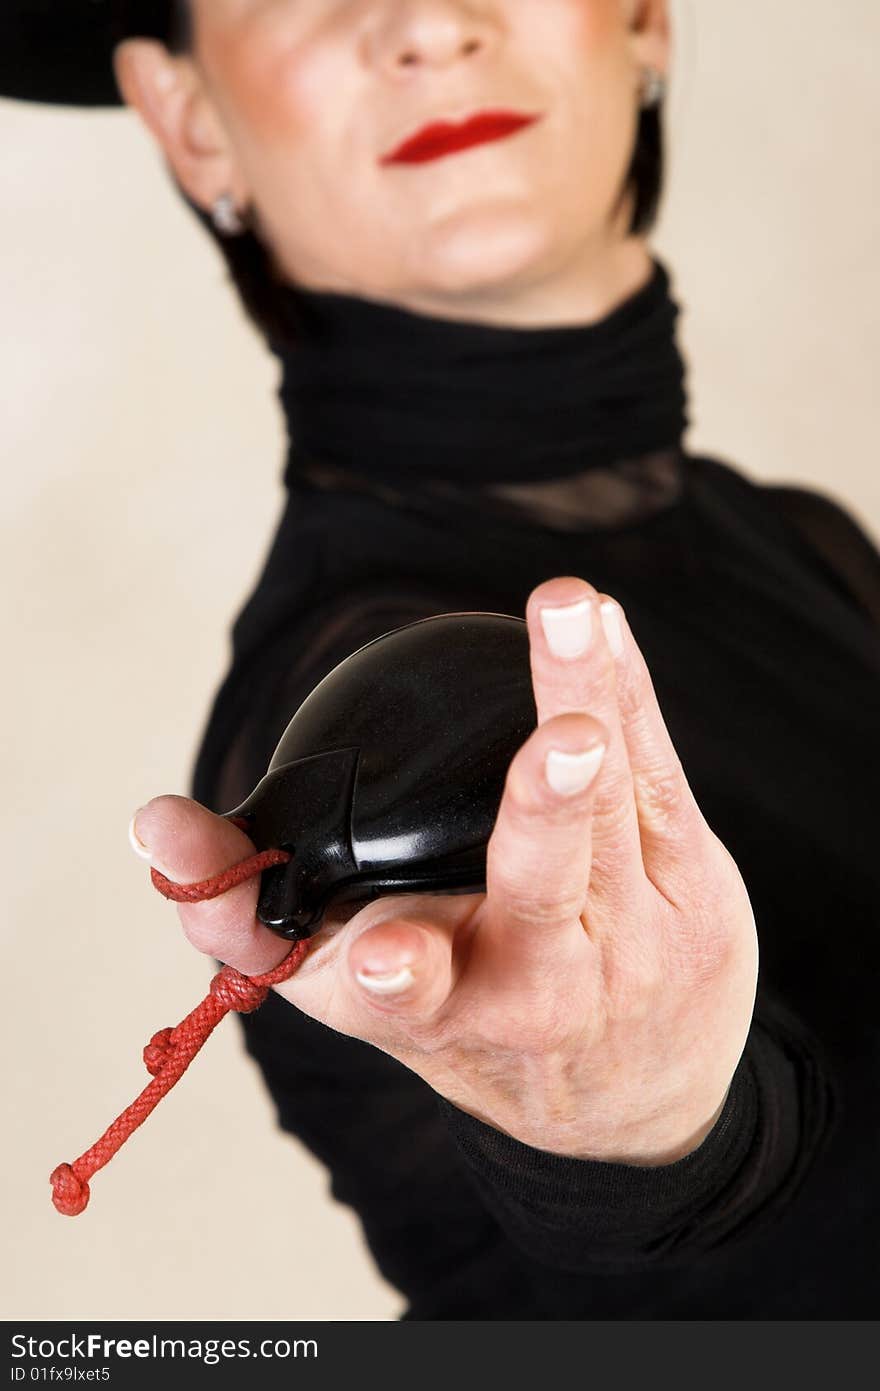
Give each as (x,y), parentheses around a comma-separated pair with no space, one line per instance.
(436,137)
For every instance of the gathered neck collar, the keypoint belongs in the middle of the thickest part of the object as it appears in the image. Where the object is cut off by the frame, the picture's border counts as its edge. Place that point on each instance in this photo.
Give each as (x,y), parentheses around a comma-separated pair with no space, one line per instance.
(380,391)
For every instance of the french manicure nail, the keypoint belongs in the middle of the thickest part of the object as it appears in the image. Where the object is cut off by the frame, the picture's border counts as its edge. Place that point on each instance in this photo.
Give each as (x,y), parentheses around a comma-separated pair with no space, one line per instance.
(568,628)
(137,844)
(386,983)
(568,773)
(610,615)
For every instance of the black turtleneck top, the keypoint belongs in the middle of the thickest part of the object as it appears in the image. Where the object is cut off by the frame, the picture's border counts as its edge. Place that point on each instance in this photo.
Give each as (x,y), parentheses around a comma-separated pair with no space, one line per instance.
(437,466)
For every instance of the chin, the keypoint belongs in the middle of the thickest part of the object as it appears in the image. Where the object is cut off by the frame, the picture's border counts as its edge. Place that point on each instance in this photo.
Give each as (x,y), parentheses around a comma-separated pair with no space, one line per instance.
(494,249)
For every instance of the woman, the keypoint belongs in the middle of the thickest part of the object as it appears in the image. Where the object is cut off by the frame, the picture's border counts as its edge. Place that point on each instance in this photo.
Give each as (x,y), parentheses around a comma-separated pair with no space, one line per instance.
(574,1095)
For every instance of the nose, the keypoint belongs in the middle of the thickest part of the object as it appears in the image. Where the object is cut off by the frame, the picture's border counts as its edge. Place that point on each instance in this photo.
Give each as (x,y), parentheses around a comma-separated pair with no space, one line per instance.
(412,34)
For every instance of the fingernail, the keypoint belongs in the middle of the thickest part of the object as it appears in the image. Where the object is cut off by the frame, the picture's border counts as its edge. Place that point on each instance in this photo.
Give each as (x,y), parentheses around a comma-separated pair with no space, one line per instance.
(610,615)
(137,844)
(568,773)
(386,983)
(568,628)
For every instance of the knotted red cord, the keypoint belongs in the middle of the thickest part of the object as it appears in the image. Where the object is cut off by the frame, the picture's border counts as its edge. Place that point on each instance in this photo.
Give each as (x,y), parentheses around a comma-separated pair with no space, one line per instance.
(170,1051)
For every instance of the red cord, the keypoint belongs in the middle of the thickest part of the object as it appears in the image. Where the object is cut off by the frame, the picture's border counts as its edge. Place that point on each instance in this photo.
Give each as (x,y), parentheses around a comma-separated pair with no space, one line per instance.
(170,1051)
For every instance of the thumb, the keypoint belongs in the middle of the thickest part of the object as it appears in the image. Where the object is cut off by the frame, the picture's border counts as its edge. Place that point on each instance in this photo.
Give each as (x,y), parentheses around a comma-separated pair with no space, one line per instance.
(187,843)
(401,967)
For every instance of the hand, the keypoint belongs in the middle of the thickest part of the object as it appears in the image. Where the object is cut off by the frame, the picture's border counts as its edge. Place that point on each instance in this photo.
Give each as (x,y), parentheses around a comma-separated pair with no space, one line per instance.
(595,1001)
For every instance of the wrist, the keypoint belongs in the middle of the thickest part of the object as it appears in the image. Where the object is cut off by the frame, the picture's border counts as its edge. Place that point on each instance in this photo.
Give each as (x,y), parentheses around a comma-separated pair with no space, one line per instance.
(665,1142)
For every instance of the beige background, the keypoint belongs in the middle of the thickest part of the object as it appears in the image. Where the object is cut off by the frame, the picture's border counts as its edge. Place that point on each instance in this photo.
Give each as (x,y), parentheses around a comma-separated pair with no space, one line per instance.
(142,458)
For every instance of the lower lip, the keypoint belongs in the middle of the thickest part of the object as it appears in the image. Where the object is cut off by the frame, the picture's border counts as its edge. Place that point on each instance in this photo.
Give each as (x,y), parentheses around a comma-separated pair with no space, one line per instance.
(488,128)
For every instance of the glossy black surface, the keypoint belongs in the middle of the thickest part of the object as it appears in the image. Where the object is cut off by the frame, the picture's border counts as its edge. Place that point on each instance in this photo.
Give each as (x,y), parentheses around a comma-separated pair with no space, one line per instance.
(389,776)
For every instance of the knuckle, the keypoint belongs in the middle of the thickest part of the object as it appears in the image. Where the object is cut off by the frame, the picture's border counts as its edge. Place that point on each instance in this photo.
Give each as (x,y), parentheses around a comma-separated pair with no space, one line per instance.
(541,907)
(613,813)
(542,885)
(636,691)
(663,797)
(705,940)
(534,902)
(716,882)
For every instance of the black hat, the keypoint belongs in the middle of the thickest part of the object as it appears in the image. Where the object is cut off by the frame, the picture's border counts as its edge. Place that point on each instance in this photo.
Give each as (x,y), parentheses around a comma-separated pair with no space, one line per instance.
(61,50)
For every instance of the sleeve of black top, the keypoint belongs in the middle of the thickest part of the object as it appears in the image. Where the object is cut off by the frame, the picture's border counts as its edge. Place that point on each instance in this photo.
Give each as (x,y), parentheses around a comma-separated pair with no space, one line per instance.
(590,1215)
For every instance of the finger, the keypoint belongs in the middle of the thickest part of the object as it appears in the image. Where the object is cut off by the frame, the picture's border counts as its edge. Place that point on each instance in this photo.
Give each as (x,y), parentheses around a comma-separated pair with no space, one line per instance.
(399,966)
(573,670)
(387,970)
(187,843)
(671,825)
(539,854)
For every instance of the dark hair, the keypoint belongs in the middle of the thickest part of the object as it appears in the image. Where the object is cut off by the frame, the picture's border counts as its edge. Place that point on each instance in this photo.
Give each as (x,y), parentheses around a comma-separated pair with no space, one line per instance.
(248,258)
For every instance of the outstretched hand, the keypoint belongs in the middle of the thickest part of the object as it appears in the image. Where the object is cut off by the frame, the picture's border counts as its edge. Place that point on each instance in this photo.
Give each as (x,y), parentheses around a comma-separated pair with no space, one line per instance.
(596,999)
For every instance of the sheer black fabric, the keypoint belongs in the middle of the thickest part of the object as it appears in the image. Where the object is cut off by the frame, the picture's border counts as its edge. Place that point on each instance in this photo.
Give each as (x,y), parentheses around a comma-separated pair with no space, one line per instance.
(758,612)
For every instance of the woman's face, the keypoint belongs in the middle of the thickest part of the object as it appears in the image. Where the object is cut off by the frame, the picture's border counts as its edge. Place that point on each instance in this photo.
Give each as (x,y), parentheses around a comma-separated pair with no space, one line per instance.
(306,97)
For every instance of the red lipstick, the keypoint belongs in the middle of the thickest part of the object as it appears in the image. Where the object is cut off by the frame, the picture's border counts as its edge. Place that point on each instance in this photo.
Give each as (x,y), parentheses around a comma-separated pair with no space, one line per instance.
(446,137)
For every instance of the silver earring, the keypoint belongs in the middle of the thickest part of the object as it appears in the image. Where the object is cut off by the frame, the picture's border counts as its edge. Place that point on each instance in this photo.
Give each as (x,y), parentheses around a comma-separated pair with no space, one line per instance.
(653,88)
(226,217)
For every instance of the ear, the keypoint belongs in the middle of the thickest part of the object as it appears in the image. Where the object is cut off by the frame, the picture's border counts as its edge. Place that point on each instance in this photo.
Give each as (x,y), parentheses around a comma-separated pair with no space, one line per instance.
(648,24)
(170,98)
